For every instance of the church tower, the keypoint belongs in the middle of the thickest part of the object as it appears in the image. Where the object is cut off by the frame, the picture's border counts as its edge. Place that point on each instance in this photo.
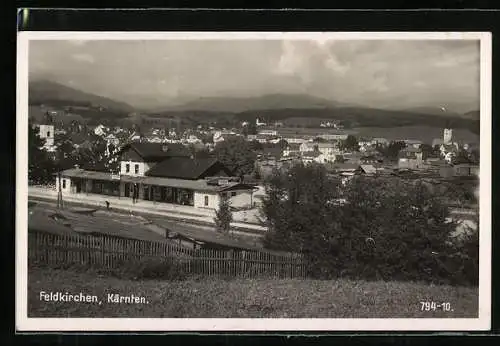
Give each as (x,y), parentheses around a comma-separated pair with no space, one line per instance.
(447,136)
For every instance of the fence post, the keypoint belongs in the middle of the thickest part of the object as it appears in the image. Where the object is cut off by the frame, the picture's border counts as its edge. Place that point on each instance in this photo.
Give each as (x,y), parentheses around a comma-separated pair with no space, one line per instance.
(103,255)
(243,263)
(66,248)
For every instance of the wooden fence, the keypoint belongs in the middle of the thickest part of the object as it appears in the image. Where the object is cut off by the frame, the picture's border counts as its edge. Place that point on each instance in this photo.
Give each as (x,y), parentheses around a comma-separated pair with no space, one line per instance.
(111,252)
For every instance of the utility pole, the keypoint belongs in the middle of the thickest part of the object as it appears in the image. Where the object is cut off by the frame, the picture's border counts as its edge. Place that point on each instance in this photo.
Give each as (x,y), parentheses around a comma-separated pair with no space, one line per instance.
(59,187)
(59,193)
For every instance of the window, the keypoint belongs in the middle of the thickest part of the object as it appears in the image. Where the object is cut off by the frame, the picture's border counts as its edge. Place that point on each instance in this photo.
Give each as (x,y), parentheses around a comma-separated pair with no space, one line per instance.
(233,193)
(64,183)
(206,201)
(136,169)
(127,168)
(48,134)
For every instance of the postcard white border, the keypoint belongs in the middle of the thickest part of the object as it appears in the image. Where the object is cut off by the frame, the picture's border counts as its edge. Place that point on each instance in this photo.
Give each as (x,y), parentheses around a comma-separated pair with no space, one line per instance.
(23,323)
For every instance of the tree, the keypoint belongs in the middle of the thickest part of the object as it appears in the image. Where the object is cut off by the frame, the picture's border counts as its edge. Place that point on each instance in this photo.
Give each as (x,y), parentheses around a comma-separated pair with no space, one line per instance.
(427,150)
(474,156)
(373,228)
(282,144)
(392,150)
(223,215)
(349,144)
(256,145)
(237,155)
(297,208)
(199,152)
(339,158)
(250,129)
(461,157)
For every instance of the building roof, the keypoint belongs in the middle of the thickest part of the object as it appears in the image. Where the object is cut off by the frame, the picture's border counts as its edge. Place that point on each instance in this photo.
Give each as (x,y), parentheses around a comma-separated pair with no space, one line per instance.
(197,235)
(157,151)
(185,168)
(327,145)
(409,152)
(82,173)
(342,167)
(369,169)
(413,141)
(437,141)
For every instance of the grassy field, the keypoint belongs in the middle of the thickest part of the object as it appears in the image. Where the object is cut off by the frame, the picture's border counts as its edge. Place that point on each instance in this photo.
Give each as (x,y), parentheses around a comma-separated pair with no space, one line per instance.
(217,298)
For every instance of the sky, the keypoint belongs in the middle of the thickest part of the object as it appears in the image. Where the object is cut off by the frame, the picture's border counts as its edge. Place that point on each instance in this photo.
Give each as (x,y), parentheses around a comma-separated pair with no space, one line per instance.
(377,73)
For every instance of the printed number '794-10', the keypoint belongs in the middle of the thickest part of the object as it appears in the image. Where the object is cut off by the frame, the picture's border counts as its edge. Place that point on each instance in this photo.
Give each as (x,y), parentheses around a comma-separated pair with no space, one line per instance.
(434,306)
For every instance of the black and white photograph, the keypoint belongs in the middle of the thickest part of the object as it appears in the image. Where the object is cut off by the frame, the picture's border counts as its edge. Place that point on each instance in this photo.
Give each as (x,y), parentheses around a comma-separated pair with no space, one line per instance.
(253,181)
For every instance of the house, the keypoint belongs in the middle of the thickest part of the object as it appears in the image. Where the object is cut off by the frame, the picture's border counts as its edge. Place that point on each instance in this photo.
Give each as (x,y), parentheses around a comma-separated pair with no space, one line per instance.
(466,170)
(221,136)
(100,130)
(328,149)
(410,158)
(295,139)
(46,134)
(259,123)
(333,136)
(192,139)
(380,141)
(268,132)
(292,149)
(327,152)
(310,156)
(308,146)
(112,139)
(163,173)
(343,169)
(364,142)
(413,143)
(322,158)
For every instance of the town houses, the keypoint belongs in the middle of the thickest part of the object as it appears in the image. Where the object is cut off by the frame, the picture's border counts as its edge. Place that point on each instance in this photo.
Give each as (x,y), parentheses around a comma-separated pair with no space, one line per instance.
(150,158)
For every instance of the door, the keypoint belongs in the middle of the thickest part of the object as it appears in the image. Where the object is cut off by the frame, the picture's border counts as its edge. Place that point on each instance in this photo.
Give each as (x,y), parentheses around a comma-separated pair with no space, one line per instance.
(127,189)
(78,185)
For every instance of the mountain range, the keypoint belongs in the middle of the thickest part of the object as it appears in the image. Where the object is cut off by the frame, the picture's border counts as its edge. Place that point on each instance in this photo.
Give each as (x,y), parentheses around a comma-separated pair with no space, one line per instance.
(242,104)
(48,92)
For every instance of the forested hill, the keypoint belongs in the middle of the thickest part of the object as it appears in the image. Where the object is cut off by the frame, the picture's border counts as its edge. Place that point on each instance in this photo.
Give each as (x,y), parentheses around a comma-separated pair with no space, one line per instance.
(55,94)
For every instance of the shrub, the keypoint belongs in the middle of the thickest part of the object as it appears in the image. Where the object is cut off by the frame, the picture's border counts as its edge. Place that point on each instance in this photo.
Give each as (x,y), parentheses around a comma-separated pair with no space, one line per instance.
(464,261)
(223,215)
